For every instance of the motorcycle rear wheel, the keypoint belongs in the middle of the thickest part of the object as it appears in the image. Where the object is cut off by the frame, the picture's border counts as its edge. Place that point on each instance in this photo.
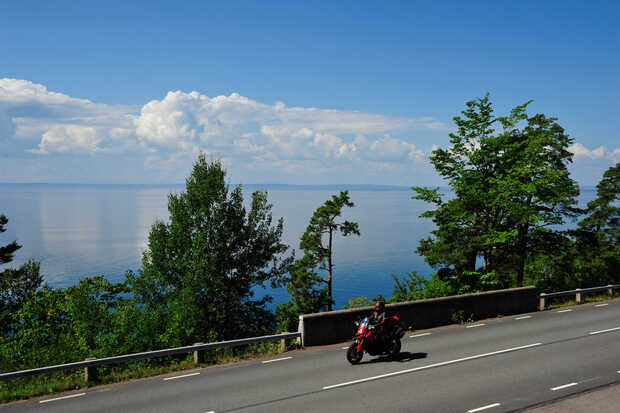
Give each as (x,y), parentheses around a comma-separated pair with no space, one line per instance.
(394,348)
(353,356)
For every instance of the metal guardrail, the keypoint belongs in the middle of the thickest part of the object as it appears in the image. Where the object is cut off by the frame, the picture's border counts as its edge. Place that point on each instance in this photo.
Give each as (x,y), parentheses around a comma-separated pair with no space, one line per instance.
(578,293)
(148,354)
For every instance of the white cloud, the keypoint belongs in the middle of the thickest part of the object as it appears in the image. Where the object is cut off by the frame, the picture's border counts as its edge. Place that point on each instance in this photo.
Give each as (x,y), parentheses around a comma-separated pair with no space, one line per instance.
(175,128)
(601,152)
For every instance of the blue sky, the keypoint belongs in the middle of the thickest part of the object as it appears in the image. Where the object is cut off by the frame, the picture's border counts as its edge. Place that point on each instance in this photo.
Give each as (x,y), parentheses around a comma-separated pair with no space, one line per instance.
(291,92)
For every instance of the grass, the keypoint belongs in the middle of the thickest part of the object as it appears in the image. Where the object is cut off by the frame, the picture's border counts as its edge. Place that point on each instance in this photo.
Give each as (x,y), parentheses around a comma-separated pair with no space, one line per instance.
(558,302)
(47,384)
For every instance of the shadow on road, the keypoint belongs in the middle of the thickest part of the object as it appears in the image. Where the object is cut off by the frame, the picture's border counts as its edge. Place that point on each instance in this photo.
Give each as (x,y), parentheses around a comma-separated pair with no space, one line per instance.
(402,357)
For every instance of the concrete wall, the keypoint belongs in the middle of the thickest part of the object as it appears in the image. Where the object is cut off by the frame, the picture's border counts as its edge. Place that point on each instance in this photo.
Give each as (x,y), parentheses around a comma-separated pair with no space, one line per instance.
(337,326)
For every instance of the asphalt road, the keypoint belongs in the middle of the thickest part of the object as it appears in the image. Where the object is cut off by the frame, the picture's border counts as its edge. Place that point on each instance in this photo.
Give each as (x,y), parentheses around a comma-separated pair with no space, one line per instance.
(498,365)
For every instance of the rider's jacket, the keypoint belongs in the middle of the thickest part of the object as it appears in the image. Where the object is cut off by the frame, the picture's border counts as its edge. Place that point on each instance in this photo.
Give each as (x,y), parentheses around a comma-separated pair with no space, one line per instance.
(377,318)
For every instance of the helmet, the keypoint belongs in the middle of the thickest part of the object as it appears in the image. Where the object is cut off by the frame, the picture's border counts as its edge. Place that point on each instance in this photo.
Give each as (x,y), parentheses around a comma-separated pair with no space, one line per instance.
(379,306)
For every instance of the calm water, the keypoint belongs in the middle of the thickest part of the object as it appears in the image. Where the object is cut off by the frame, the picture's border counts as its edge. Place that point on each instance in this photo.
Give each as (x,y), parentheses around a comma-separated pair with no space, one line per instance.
(84,230)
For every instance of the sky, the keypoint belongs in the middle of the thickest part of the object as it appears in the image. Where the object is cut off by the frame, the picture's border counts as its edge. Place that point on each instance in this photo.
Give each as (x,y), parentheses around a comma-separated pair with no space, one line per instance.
(288,92)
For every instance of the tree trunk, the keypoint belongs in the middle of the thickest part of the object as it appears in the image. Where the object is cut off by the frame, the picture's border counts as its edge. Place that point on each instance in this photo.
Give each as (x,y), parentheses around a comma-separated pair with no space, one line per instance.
(329,269)
(522,251)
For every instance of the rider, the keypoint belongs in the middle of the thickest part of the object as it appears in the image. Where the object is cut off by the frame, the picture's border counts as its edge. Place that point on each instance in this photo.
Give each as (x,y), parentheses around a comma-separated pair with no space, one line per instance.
(378,317)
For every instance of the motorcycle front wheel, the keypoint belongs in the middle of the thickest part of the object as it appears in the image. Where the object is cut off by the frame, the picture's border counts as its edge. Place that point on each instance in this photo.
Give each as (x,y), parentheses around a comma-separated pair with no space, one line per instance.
(353,356)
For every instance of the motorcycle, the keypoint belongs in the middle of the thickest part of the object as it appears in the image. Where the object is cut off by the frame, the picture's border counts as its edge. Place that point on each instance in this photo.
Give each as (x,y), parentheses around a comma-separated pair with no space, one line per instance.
(367,339)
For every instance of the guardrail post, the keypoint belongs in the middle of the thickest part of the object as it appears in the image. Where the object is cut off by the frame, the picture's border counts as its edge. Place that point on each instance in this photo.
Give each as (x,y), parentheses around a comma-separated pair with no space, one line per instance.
(542,302)
(198,355)
(610,290)
(90,373)
(282,345)
(578,296)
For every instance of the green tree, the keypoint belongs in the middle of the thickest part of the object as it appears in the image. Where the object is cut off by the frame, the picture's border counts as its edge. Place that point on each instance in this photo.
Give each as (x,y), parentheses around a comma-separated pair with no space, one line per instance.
(323,225)
(16,285)
(200,270)
(509,186)
(598,233)
(308,293)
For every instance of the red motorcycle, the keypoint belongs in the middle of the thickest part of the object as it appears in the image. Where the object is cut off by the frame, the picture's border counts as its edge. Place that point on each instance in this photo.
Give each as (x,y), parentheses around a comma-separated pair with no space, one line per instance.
(368,338)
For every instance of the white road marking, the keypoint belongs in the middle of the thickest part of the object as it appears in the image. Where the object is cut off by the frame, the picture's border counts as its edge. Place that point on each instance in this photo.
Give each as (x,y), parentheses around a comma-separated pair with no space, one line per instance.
(563,386)
(178,377)
(420,335)
(565,311)
(605,331)
(476,325)
(601,305)
(71,396)
(210,411)
(271,361)
(524,317)
(479,409)
(344,348)
(443,363)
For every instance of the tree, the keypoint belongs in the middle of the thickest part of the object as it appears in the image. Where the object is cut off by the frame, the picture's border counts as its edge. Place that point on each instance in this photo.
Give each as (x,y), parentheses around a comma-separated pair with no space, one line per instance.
(200,270)
(323,223)
(598,233)
(16,285)
(509,186)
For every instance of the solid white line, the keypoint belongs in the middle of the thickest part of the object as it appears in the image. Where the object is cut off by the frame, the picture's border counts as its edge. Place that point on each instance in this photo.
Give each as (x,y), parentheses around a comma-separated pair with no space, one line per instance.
(476,325)
(178,377)
(564,386)
(420,335)
(605,331)
(601,305)
(271,361)
(210,411)
(565,311)
(524,317)
(443,363)
(479,409)
(63,397)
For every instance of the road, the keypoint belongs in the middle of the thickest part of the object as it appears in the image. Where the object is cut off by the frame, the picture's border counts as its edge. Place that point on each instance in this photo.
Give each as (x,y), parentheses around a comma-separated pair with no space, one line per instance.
(499,365)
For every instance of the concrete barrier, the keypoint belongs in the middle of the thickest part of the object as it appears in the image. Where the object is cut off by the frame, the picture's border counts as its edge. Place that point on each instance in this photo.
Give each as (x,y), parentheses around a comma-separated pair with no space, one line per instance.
(337,326)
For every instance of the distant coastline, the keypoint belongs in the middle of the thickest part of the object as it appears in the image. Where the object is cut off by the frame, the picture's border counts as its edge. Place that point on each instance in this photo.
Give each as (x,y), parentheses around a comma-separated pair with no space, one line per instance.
(322,187)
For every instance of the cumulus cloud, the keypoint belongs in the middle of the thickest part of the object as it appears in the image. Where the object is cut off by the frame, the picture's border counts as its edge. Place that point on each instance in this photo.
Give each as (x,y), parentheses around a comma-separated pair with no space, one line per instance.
(601,152)
(170,130)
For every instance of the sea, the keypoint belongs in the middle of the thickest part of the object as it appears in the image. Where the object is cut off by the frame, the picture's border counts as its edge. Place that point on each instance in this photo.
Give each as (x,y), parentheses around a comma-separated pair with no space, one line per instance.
(77,231)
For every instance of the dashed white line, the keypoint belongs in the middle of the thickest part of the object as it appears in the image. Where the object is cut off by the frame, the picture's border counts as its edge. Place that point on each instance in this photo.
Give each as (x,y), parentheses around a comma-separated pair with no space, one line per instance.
(563,386)
(479,409)
(420,335)
(524,317)
(210,411)
(271,361)
(344,348)
(605,331)
(179,377)
(601,305)
(565,311)
(476,325)
(71,396)
(443,363)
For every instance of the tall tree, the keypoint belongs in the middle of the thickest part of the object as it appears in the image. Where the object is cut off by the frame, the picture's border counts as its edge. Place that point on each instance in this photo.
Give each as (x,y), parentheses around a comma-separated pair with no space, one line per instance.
(317,241)
(16,284)
(508,187)
(598,233)
(200,269)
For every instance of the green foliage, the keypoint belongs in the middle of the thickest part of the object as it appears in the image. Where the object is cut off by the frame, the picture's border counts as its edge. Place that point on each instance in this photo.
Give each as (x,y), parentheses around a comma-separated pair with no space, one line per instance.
(323,224)
(199,270)
(509,185)
(357,302)
(16,285)
(308,293)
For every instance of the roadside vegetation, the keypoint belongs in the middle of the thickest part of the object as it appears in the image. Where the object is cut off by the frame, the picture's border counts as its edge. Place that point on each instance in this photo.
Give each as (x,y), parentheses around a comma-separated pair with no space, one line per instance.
(500,227)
